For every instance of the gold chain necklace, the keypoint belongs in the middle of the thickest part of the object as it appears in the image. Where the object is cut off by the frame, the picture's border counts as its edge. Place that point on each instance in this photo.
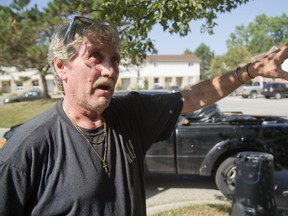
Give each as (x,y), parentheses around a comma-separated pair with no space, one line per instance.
(105,165)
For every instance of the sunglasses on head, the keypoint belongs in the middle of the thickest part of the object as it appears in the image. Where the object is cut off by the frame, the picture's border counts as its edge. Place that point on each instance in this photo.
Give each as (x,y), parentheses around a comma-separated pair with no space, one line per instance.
(71,30)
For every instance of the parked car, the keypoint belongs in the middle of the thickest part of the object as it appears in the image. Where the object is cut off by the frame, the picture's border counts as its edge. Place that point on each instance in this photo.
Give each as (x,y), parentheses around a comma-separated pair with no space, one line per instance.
(252,91)
(174,88)
(206,142)
(276,90)
(26,96)
(237,92)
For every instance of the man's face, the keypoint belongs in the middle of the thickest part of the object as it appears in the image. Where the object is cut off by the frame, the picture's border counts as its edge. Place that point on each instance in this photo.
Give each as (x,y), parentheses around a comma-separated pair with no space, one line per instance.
(92,74)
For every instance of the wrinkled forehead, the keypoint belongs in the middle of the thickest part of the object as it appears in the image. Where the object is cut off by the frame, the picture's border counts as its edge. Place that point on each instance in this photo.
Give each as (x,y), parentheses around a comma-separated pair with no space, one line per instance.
(104,33)
(101,45)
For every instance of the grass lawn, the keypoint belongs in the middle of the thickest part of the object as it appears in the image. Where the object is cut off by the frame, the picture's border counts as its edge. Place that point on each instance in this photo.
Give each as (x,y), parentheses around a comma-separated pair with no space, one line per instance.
(16,113)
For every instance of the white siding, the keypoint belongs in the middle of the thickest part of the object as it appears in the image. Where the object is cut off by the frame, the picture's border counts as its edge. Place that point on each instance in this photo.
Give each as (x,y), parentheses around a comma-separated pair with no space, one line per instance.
(163,72)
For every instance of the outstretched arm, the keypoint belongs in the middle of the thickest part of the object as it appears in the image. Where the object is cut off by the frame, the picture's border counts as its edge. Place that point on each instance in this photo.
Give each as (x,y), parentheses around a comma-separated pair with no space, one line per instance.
(212,90)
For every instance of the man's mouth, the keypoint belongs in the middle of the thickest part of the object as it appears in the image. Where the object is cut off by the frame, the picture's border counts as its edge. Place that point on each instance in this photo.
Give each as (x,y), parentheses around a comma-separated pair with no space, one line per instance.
(104,87)
(104,84)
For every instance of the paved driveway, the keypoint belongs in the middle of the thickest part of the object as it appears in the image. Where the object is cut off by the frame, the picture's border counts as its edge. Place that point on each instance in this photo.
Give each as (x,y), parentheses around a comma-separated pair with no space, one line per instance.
(2,131)
(166,192)
(257,106)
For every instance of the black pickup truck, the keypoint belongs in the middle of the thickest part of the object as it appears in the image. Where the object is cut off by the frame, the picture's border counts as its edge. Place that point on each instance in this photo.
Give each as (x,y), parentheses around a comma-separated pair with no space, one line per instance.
(207,142)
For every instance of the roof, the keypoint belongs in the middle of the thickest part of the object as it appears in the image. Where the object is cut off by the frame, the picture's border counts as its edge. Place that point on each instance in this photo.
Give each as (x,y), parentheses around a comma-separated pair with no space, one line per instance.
(172,58)
(260,55)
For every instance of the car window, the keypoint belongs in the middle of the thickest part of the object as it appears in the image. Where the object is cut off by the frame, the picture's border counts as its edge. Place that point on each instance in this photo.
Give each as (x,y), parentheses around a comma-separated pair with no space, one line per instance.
(267,86)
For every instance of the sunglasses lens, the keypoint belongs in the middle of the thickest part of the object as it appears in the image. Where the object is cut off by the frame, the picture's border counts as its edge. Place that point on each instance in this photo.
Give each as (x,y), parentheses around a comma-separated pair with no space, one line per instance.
(85,20)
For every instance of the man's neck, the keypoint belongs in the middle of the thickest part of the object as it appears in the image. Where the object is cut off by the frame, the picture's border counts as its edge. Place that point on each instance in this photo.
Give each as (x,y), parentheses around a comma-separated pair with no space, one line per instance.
(82,117)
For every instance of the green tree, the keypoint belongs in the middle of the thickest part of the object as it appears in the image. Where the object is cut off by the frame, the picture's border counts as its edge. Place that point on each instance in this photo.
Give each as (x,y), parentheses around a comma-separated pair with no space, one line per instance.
(22,42)
(187,52)
(206,55)
(217,66)
(260,35)
(230,61)
(30,29)
(237,56)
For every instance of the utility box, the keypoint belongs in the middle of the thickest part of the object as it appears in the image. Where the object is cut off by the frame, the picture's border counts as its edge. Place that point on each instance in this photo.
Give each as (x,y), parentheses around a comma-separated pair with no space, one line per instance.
(254,185)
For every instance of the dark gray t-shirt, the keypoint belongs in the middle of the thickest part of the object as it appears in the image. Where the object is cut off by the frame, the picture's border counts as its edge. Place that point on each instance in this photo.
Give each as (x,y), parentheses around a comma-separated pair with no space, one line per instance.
(48,168)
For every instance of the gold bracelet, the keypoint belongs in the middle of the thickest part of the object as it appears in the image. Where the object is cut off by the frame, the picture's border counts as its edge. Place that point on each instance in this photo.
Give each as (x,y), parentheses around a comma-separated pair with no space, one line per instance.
(236,74)
(247,69)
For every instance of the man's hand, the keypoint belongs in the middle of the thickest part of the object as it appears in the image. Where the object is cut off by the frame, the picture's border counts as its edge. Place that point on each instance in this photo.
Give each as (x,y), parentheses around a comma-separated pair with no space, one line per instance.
(270,66)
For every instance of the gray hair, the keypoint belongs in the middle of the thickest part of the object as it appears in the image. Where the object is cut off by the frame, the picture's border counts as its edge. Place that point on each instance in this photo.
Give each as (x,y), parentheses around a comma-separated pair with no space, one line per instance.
(65,52)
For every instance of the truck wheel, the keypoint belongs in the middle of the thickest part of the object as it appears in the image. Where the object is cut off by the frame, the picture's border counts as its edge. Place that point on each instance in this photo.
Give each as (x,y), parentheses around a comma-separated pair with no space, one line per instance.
(278,95)
(253,95)
(225,177)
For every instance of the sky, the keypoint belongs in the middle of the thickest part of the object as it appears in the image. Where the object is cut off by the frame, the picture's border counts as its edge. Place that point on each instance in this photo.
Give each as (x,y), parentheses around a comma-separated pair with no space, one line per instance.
(242,15)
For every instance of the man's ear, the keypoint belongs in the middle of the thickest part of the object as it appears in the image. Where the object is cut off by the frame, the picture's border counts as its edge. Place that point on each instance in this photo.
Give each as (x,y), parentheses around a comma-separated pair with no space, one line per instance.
(60,68)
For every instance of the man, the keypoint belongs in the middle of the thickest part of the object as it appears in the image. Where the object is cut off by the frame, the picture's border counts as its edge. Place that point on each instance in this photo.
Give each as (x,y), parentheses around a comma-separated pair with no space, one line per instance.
(85,155)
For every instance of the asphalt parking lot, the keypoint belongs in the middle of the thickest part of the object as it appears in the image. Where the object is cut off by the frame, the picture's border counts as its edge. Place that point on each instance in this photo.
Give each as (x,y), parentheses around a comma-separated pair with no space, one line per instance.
(166,192)
(258,106)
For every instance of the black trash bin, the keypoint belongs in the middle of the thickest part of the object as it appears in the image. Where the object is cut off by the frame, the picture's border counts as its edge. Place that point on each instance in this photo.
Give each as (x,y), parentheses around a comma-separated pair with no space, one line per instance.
(254,186)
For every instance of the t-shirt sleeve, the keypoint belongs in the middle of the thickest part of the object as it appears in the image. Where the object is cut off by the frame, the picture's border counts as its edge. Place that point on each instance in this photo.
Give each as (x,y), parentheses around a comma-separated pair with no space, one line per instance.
(21,160)
(12,186)
(164,112)
(154,116)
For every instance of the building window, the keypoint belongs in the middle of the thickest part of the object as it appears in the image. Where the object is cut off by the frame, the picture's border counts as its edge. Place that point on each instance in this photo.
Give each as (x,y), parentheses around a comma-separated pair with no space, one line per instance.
(6,86)
(125,83)
(19,86)
(156,64)
(190,64)
(35,84)
(156,82)
(191,81)
(179,81)
(168,81)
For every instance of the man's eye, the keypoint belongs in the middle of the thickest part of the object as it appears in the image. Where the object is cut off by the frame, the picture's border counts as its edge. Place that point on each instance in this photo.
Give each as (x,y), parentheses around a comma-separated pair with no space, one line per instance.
(97,56)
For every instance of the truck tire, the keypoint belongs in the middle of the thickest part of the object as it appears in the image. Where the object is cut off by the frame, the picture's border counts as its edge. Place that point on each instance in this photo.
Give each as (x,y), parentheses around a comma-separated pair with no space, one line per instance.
(253,95)
(225,177)
(278,95)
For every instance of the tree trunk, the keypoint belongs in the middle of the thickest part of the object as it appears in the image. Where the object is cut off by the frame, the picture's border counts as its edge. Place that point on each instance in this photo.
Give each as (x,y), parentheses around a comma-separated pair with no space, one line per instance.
(44,84)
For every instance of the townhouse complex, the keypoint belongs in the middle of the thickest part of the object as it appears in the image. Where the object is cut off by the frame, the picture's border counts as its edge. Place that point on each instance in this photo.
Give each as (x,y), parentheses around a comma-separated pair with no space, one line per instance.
(156,71)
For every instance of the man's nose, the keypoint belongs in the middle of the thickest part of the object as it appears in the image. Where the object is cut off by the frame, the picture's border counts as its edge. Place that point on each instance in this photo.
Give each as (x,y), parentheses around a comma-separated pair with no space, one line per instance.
(107,69)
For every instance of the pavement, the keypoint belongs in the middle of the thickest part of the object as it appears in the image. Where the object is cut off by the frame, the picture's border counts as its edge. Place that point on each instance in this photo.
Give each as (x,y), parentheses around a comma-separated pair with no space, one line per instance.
(176,198)
(2,131)
(168,192)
